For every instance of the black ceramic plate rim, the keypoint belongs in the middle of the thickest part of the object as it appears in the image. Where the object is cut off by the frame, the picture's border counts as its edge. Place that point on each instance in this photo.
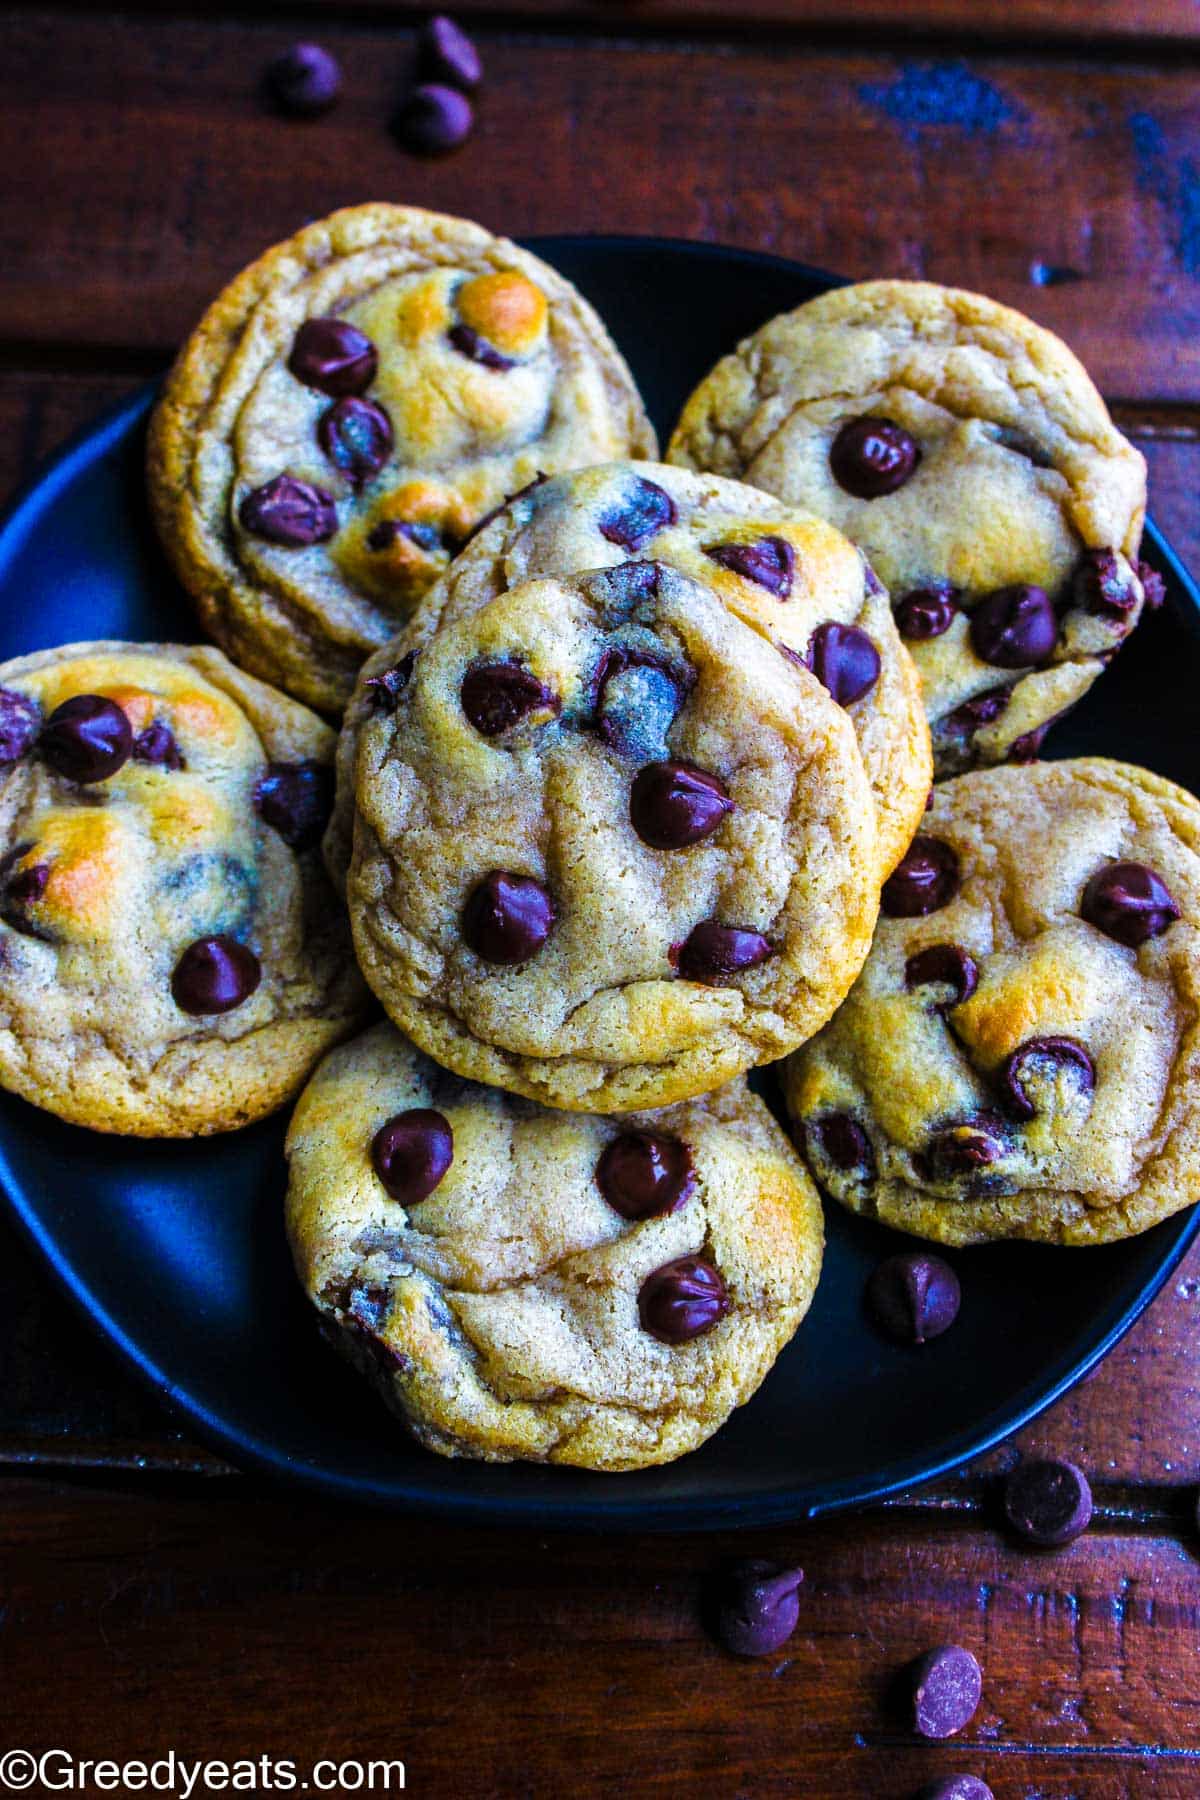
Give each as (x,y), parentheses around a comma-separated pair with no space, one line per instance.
(626,1510)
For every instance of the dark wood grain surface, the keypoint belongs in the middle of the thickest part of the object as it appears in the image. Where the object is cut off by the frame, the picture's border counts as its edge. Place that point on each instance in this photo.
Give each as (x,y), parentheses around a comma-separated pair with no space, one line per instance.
(150,1598)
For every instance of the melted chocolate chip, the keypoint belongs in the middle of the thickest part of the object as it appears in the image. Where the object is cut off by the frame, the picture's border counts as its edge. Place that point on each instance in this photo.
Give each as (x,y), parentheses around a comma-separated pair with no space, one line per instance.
(1041,1060)
(872,457)
(924,880)
(411,1152)
(468,343)
(19,721)
(957,1787)
(214,975)
(841,1140)
(434,119)
(496,696)
(305,81)
(682,1300)
(643,510)
(965,1150)
(913,1297)
(1028,747)
(1128,902)
(86,739)
(333,356)
(383,691)
(507,918)
(296,799)
(927,612)
(1014,628)
(754,1606)
(21,889)
(770,562)
(356,436)
(157,746)
(638,696)
(290,512)
(1153,586)
(426,537)
(643,1174)
(844,660)
(943,964)
(1050,1503)
(449,55)
(672,804)
(1102,585)
(946,1685)
(954,732)
(714,954)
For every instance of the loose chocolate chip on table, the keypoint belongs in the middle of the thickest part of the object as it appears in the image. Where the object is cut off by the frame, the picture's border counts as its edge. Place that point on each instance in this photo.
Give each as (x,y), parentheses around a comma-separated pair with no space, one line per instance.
(1045,1057)
(643,1174)
(927,612)
(638,696)
(844,661)
(924,880)
(496,696)
(643,510)
(411,1152)
(1153,586)
(843,1142)
(86,739)
(214,975)
(157,746)
(291,512)
(872,457)
(913,1297)
(946,964)
(945,1686)
(507,918)
(682,1300)
(1101,585)
(754,1606)
(305,80)
(383,691)
(333,356)
(296,799)
(1048,1502)
(356,436)
(672,804)
(449,55)
(19,720)
(1014,628)
(714,954)
(1128,902)
(434,119)
(957,1787)
(467,342)
(770,562)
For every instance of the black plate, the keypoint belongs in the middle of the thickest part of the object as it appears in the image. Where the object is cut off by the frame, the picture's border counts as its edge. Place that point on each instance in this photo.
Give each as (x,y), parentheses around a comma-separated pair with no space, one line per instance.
(177,1252)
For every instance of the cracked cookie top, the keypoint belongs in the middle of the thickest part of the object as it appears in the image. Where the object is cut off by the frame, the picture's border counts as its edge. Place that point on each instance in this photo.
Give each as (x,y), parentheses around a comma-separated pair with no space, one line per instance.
(172,960)
(1019,1057)
(552,1286)
(966,451)
(345,413)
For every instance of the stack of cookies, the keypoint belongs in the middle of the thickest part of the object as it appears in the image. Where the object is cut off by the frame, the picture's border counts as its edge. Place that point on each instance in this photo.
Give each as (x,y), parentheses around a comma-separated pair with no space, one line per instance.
(631,799)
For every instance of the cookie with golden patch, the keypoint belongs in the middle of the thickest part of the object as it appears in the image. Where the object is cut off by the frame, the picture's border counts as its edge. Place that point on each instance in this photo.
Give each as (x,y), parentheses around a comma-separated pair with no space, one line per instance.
(550,1286)
(966,451)
(348,409)
(1020,1057)
(172,959)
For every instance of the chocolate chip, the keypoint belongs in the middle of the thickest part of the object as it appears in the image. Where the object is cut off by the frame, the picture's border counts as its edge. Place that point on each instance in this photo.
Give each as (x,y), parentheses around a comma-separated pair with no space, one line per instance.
(157,746)
(964,1150)
(1022,444)
(943,965)
(1014,628)
(1128,902)
(496,696)
(644,1174)
(957,1787)
(770,562)
(945,1686)
(507,918)
(426,537)
(954,732)
(305,81)
(714,954)
(913,1297)
(434,119)
(291,512)
(368,1304)
(86,739)
(412,1152)
(924,880)
(1050,1503)
(643,510)
(841,1140)
(682,1300)
(871,457)
(624,590)
(844,660)
(19,720)
(21,889)
(1042,1059)
(754,1606)
(638,696)
(926,612)
(383,691)
(356,436)
(672,804)
(449,55)
(214,975)
(871,581)
(296,799)
(1153,586)
(1102,585)
(333,356)
(1028,747)
(467,342)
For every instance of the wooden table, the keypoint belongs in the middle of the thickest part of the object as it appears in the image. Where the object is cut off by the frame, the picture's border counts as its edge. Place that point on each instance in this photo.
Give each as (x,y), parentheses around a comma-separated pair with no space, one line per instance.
(1046,151)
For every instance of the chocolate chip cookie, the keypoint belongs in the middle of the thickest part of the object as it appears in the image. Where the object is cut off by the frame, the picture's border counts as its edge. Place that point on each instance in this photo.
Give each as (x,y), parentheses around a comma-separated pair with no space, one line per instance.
(172,960)
(348,409)
(550,1286)
(1020,1057)
(966,451)
(610,847)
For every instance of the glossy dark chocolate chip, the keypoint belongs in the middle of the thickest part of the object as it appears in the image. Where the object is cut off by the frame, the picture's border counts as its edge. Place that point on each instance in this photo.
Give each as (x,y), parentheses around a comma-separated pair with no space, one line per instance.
(672,804)
(871,457)
(497,696)
(290,512)
(1128,902)
(1153,586)
(305,81)
(383,691)
(1103,585)
(643,1174)
(841,1140)
(638,697)
(468,343)
(86,739)
(214,975)
(157,746)
(1050,1503)
(957,1787)
(434,119)
(1014,628)
(507,918)
(333,356)
(643,510)
(927,612)
(296,799)
(844,661)
(356,436)
(913,1297)
(20,889)
(924,880)
(412,1152)
(770,562)
(683,1300)
(449,55)
(19,721)
(714,954)
(754,1606)
(943,965)
(426,537)
(945,1685)
(966,1149)
(1043,1059)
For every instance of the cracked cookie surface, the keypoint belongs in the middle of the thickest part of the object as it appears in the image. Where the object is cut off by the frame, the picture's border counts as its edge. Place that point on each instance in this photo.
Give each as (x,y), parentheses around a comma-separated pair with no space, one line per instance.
(1020,1055)
(555,1287)
(967,453)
